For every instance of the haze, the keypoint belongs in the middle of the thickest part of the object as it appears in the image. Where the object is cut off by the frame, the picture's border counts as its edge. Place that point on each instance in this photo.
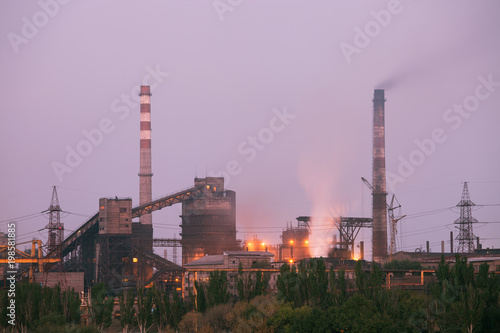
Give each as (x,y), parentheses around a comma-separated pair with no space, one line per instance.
(232,68)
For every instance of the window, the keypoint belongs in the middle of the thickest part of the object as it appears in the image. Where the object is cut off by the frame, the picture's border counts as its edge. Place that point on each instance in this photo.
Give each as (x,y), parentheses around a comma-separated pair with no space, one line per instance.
(123,210)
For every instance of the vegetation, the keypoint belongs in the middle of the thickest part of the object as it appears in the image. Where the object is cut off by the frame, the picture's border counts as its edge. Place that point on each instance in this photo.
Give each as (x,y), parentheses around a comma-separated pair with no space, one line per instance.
(309,299)
(41,309)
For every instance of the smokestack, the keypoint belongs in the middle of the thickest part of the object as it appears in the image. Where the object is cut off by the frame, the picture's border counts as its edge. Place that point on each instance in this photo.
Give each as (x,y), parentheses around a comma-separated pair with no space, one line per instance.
(451,241)
(379,184)
(145,174)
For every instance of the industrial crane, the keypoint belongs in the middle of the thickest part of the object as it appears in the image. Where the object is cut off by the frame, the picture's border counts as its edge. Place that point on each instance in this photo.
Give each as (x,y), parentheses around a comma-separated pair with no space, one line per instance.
(394,220)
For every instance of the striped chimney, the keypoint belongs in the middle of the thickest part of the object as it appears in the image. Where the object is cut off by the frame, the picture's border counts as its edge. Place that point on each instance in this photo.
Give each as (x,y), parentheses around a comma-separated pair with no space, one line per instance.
(379,182)
(145,174)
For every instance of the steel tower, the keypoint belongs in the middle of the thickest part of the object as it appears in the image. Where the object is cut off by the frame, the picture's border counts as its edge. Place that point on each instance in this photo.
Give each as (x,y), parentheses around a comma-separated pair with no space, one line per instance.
(464,223)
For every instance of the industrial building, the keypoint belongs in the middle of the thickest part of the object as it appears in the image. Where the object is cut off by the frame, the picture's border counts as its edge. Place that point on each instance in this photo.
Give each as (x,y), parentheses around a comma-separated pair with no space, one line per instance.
(251,261)
(208,220)
(110,247)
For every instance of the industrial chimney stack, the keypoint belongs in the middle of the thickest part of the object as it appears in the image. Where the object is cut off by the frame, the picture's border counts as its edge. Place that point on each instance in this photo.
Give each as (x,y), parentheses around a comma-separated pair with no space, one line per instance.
(145,174)
(379,181)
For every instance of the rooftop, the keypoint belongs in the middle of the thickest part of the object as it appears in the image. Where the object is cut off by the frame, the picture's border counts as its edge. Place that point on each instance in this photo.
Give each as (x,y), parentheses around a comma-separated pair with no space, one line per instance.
(249,253)
(217,259)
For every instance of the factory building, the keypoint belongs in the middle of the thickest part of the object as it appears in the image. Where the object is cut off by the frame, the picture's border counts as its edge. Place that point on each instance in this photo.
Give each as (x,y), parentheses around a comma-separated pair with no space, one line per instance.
(251,261)
(208,221)
(295,243)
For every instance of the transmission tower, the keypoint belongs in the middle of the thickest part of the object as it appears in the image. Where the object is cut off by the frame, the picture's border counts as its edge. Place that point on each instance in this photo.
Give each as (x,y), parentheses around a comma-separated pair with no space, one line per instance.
(393,220)
(55,227)
(464,223)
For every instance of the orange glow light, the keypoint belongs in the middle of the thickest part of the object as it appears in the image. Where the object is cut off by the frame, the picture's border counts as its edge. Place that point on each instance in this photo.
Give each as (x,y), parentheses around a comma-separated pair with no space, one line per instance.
(263,244)
(307,242)
(291,242)
(291,261)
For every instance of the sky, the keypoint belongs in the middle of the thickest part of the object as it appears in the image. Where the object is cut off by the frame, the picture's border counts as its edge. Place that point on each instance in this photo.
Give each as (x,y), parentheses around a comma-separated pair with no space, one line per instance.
(274,95)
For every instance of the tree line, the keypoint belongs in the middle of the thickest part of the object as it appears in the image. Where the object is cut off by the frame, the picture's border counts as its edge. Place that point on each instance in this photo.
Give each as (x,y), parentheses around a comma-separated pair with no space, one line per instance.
(309,298)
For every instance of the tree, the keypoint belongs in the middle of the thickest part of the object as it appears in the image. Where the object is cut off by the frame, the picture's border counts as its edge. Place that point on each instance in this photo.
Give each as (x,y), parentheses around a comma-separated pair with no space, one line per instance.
(28,299)
(127,311)
(71,306)
(217,288)
(342,285)
(163,310)
(101,307)
(4,303)
(360,278)
(249,284)
(201,297)
(179,309)
(318,282)
(144,316)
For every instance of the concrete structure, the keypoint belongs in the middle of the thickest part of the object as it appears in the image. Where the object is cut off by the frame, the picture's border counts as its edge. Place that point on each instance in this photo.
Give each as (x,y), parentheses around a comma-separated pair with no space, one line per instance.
(379,181)
(145,170)
(113,248)
(115,216)
(208,220)
(251,261)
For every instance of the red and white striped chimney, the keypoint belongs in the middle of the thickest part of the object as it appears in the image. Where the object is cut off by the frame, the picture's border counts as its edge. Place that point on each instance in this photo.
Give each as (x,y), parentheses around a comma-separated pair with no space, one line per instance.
(145,173)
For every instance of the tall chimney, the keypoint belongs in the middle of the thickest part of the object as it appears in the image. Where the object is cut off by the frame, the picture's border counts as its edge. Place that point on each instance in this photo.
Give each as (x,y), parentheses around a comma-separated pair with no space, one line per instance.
(145,174)
(379,184)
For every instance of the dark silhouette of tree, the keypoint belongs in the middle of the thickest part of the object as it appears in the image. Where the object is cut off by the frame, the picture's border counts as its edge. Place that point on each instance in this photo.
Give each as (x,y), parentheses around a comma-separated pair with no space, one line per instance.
(127,311)
(101,307)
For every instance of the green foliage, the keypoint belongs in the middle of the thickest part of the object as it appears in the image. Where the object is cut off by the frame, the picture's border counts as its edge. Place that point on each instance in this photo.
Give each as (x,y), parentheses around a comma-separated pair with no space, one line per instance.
(28,299)
(127,311)
(41,309)
(252,284)
(252,316)
(403,264)
(360,278)
(307,286)
(101,307)
(4,302)
(217,288)
(144,316)
(179,309)
(261,264)
(201,297)
(71,302)
(464,301)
